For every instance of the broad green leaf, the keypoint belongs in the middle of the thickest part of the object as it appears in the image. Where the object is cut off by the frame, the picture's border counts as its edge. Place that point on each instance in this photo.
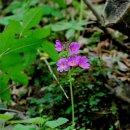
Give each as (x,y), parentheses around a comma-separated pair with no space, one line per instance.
(5,117)
(31,18)
(22,127)
(19,50)
(4,89)
(22,53)
(7,36)
(18,76)
(56,123)
(38,33)
(49,48)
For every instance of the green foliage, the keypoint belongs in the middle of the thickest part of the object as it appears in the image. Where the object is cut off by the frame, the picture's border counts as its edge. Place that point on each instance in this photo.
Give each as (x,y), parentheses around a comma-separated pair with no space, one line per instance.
(32,123)
(37,120)
(4,90)
(5,117)
(31,26)
(70,26)
(94,38)
(19,43)
(49,48)
(114,108)
(62,3)
(54,124)
(31,18)
(22,127)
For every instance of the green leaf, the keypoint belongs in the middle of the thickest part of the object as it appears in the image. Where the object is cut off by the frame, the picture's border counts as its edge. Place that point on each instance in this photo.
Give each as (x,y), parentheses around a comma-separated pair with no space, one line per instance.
(46,9)
(36,120)
(62,3)
(18,76)
(22,127)
(49,48)
(100,94)
(7,36)
(5,20)
(41,33)
(70,33)
(54,124)
(4,90)
(56,13)
(31,18)
(13,6)
(62,25)
(5,117)
(22,53)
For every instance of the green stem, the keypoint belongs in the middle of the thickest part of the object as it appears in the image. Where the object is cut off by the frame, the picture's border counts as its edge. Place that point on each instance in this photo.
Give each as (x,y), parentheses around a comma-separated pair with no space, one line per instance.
(81,10)
(72,100)
(81,13)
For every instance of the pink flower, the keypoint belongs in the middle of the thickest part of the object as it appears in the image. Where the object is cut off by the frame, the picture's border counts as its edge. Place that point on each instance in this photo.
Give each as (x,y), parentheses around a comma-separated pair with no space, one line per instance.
(83,62)
(72,61)
(74,48)
(63,65)
(59,46)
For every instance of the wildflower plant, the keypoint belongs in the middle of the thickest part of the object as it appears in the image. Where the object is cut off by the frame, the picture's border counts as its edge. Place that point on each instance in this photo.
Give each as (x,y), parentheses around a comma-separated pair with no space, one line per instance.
(70,60)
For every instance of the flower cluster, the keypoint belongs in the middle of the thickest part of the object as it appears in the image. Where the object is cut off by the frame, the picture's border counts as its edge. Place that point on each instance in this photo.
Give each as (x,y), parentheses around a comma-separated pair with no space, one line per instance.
(65,64)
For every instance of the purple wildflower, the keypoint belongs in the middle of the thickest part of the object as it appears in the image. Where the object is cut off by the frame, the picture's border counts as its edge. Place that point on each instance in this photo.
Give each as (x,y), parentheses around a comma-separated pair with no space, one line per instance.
(63,65)
(74,48)
(72,61)
(83,62)
(59,46)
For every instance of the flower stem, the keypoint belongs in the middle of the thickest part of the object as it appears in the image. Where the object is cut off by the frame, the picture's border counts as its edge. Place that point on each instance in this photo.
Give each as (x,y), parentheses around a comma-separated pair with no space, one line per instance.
(72,100)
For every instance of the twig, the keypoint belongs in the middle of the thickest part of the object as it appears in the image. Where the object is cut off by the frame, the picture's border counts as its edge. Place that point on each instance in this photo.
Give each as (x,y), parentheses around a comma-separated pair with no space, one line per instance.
(119,95)
(51,71)
(97,15)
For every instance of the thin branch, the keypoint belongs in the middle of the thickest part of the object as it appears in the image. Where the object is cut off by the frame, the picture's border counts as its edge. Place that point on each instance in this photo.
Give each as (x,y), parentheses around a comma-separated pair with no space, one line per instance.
(97,15)
(51,71)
